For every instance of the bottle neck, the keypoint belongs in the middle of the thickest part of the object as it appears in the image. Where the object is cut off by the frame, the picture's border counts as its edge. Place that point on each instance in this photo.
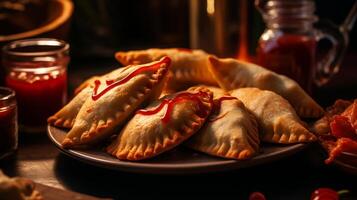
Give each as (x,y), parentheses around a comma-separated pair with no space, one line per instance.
(290,15)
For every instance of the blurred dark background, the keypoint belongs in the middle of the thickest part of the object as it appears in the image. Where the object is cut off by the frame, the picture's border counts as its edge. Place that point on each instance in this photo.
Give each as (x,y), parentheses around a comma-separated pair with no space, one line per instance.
(104,26)
(100,27)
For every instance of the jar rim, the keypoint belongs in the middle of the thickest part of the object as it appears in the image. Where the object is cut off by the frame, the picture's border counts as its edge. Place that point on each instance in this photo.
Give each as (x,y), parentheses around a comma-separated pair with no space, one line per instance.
(275,3)
(294,10)
(10,49)
(9,95)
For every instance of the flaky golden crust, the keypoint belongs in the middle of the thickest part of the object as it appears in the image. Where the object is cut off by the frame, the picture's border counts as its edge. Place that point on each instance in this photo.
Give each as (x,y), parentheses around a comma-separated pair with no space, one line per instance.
(86,84)
(97,119)
(65,117)
(232,74)
(189,67)
(230,132)
(147,136)
(277,120)
(216,91)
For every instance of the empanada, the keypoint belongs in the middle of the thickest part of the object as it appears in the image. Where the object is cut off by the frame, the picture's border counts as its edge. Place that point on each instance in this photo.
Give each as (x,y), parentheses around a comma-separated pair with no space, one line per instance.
(277,119)
(111,103)
(65,117)
(189,67)
(88,82)
(217,92)
(231,74)
(230,132)
(161,126)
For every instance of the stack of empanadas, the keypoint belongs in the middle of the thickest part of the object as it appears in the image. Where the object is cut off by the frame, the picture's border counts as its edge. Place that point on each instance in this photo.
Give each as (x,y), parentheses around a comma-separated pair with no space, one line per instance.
(109,101)
(162,125)
(150,107)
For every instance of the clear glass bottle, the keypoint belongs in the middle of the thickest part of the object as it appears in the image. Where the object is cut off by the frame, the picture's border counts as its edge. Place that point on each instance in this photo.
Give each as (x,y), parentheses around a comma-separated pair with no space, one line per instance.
(289,44)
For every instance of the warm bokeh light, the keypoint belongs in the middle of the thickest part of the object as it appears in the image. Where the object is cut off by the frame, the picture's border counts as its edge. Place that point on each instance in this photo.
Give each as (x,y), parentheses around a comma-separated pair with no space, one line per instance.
(210,7)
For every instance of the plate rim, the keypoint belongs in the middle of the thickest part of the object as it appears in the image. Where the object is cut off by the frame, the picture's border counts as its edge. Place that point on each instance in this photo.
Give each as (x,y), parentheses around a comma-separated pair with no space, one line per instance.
(148,168)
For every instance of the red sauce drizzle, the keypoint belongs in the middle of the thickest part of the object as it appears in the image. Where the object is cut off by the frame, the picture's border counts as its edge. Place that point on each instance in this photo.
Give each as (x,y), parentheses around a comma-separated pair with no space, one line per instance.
(170,103)
(217,106)
(218,102)
(111,84)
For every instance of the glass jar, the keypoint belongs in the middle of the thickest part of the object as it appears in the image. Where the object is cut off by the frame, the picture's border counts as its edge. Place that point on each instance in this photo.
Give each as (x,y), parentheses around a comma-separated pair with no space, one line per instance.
(37,70)
(226,28)
(289,45)
(8,122)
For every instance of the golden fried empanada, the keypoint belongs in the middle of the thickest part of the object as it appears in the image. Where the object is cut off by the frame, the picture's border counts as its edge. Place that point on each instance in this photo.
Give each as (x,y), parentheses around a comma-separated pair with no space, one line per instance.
(277,119)
(111,75)
(65,117)
(217,92)
(231,74)
(161,126)
(230,132)
(88,82)
(112,102)
(189,67)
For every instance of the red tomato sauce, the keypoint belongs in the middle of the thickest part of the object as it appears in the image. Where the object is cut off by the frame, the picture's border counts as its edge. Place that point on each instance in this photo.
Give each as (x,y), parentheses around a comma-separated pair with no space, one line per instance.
(181,97)
(111,84)
(38,95)
(290,55)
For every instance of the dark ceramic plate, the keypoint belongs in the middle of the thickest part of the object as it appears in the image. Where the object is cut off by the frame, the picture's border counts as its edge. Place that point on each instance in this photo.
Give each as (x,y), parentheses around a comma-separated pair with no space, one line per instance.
(177,161)
(347,162)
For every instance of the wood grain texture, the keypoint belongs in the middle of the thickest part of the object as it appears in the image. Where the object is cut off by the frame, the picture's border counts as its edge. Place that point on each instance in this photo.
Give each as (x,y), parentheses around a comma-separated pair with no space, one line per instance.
(36,160)
(50,193)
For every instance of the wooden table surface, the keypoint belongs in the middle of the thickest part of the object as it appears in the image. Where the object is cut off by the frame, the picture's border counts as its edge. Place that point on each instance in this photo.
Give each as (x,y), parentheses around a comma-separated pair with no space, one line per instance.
(290,178)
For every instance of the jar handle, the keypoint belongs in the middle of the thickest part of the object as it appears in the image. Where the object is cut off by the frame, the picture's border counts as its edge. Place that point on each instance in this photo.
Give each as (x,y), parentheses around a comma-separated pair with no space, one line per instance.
(329,63)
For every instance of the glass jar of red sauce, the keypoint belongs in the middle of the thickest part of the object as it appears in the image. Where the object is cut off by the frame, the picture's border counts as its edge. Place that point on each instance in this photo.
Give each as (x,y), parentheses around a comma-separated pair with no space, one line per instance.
(8,122)
(37,70)
(289,45)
